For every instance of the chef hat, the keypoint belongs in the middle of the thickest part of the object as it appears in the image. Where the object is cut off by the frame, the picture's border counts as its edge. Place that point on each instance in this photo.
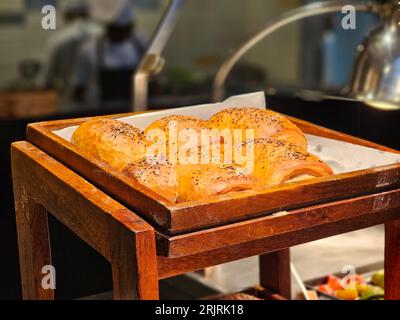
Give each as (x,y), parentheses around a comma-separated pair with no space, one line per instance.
(119,12)
(75,6)
(125,17)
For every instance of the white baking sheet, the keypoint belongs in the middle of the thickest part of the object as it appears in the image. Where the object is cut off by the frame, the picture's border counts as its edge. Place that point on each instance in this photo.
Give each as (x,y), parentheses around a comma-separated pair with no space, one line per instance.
(340,156)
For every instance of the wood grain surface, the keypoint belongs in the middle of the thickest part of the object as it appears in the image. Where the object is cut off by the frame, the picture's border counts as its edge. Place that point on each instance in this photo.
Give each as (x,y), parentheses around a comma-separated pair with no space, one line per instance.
(122,237)
(392,260)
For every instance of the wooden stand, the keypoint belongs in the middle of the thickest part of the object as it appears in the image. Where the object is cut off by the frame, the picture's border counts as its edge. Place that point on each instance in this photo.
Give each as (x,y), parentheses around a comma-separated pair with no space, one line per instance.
(137,252)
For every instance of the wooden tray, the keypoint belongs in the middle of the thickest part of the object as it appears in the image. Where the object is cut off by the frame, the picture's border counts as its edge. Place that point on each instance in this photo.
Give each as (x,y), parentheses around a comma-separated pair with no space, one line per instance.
(174,219)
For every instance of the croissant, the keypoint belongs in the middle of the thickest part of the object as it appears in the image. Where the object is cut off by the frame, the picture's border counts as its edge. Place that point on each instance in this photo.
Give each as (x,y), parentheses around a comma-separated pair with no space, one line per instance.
(265,123)
(112,141)
(277,161)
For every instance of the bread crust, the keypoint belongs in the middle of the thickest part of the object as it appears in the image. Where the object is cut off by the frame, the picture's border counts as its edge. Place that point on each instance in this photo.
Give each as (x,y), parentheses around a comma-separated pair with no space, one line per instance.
(189,182)
(277,161)
(265,123)
(158,176)
(198,182)
(112,141)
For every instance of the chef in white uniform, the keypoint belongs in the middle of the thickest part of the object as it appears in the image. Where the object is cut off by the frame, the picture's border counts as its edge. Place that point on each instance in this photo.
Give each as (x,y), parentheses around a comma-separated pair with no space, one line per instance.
(64,47)
(105,67)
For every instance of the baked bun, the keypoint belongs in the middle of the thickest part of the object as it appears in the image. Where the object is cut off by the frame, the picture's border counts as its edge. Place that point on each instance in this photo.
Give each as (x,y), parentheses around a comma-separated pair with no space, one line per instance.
(279,153)
(182,122)
(112,141)
(198,182)
(191,182)
(158,176)
(187,130)
(277,161)
(265,123)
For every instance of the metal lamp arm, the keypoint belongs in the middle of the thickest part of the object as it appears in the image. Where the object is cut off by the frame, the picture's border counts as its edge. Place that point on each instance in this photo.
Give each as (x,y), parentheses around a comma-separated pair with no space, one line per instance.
(306,11)
(153,62)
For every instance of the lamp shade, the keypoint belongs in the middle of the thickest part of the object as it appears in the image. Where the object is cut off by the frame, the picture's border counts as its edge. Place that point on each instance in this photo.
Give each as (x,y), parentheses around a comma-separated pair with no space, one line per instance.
(376,76)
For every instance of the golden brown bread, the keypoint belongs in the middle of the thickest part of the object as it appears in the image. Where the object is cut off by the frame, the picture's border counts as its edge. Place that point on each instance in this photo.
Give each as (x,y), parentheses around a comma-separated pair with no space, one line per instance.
(198,182)
(124,147)
(181,183)
(182,122)
(265,123)
(179,131)
(112,141)
(159,176)
(277,161)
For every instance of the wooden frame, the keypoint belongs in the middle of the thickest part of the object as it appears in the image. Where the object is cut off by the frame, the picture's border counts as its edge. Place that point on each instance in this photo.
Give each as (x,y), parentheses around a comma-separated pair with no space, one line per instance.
(42,184)
(172,219)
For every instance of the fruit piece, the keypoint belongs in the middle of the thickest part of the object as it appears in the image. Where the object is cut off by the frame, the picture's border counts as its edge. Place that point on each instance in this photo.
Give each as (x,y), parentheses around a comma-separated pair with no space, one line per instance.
(334,283)
(346,294)
(361,287)
(372,292)
(378,278)
(357,279)
(325,289)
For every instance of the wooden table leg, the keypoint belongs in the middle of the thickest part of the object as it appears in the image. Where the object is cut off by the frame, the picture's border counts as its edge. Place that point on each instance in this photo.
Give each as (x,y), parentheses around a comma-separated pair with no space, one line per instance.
(275,272)
(33,237)
(392,260)
(34,247)
(134,264)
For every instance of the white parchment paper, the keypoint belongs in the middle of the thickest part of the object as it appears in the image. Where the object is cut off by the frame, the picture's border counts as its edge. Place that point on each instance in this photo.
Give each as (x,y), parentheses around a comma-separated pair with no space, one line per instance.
(340,156)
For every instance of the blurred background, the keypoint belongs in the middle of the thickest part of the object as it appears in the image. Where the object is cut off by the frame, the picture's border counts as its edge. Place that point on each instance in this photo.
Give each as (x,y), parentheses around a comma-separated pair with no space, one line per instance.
(85,66)
(315,54)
